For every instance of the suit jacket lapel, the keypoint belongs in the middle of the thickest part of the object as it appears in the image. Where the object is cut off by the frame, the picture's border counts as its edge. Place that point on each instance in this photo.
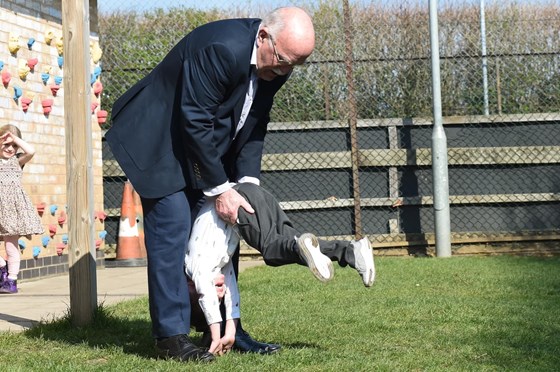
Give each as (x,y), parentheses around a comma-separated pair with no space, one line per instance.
(238,108)
(239,105)
(258,114)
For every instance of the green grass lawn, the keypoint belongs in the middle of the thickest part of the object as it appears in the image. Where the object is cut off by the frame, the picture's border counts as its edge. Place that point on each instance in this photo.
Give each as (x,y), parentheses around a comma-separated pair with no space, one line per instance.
(423,314)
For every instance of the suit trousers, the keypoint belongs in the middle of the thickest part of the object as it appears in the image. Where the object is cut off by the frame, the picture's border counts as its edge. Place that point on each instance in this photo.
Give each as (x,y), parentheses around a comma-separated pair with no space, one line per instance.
(270,231)
(167,225)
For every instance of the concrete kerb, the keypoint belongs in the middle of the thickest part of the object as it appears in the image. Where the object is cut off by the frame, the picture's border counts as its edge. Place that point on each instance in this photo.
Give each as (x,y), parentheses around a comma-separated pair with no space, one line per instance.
(49,298)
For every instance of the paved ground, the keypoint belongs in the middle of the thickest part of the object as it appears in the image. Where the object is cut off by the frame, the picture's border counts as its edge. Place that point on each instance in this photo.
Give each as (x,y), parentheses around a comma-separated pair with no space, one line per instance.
(49,298)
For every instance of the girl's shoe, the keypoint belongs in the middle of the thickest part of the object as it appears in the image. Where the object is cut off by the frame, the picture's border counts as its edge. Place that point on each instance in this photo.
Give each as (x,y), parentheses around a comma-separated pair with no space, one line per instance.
(9,286)
(3,274)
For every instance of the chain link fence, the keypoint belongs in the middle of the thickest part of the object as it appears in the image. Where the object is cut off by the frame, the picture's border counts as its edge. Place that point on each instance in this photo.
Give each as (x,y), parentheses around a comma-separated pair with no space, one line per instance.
(348,149)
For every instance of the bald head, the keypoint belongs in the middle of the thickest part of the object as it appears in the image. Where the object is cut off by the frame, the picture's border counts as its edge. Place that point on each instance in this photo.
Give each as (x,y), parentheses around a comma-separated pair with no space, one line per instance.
(293,28)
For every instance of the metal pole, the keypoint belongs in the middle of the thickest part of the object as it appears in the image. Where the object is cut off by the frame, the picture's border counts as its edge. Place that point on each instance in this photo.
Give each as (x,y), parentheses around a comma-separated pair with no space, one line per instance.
(484,59)
(352,119)
(439,148)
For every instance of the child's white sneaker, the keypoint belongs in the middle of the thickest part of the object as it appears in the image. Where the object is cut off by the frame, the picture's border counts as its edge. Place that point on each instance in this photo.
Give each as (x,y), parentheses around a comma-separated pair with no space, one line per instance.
(319,264)
(363,256)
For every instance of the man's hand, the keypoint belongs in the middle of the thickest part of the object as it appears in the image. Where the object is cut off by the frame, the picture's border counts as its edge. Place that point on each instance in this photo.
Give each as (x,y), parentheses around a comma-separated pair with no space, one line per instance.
(228,203)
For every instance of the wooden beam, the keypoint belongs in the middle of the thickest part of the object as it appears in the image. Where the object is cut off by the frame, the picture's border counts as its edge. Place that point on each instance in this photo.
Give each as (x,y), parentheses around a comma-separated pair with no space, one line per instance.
(334,203)
(394,158)
(306,160)
(417,121)
(504,155)
(412,157)
(382,242)
(79,161)
(112,169)
(410,240)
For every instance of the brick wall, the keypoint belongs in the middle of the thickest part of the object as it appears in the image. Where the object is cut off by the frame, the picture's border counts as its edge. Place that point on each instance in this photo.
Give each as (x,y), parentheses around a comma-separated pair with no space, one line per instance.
(45,176)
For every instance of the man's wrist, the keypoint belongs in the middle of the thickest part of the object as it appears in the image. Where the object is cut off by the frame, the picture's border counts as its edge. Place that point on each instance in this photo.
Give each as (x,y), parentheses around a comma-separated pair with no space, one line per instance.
(220,189)
(248,179)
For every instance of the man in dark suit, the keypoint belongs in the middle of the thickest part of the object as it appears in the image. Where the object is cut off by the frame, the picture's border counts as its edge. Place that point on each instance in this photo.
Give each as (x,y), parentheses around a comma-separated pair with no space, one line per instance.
(187,130)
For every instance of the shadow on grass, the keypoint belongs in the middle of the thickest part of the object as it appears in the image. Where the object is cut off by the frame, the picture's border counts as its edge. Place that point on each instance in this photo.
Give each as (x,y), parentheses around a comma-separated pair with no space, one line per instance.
(109,331)
(132,336)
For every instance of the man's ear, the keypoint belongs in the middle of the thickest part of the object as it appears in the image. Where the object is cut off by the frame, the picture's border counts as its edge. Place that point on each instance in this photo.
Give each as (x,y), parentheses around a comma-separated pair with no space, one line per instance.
(262,34)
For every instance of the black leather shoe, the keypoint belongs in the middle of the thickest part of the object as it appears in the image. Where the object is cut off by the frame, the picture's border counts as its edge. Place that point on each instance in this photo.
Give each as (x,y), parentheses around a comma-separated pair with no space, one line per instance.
(245,344)
(180,347)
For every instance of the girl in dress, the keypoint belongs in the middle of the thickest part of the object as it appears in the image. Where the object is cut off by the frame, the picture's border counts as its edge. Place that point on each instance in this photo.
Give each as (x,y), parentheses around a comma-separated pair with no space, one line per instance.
(17,215)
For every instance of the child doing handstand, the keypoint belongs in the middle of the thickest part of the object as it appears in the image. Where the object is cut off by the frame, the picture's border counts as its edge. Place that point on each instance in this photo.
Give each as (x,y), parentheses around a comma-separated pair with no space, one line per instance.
(269,230)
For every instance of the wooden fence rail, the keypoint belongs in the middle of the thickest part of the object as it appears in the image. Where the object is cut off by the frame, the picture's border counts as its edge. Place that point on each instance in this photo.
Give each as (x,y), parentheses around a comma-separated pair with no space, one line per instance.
(393,158)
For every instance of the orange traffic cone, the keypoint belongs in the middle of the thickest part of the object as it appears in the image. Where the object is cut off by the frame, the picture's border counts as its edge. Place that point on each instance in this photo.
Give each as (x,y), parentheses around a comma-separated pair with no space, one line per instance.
(140,222)
(128,244)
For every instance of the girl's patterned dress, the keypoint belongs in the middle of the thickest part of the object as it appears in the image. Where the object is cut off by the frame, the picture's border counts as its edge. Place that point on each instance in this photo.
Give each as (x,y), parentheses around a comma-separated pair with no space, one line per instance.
(17,214)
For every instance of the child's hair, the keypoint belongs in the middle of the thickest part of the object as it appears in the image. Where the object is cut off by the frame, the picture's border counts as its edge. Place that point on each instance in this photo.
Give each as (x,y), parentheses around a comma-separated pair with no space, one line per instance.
(10,128)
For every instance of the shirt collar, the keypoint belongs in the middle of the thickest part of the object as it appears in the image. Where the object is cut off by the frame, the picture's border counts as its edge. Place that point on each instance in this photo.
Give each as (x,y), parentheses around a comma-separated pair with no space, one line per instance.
(254,53)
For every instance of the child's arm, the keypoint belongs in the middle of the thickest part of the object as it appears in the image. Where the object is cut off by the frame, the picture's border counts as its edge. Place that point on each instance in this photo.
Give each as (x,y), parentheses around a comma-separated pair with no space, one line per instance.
(216,346)
(28,150)
(207,253)
(231,302)
(229,335)
(202,266)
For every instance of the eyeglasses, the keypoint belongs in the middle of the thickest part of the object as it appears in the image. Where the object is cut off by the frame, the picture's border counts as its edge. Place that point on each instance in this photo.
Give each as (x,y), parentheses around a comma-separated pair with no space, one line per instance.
(279,58)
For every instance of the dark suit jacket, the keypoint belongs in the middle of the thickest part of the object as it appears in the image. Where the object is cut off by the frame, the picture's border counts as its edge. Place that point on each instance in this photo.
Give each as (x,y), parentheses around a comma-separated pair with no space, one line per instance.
(175,127)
